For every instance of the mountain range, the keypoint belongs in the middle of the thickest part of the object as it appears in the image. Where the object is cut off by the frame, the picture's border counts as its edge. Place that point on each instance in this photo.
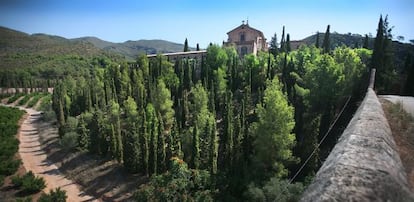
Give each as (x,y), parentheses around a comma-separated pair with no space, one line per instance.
(12,41)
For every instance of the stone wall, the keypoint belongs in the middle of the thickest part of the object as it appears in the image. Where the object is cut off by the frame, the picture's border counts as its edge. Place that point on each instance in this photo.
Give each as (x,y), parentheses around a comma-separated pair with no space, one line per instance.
(364,165)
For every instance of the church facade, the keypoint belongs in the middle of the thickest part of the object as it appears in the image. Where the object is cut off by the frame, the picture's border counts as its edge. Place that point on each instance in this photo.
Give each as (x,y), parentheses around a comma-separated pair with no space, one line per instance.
(246,40)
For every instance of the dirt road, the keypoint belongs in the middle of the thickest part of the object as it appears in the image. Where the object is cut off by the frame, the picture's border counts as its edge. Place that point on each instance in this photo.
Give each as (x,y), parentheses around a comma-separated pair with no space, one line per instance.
(406,101)
(35,159)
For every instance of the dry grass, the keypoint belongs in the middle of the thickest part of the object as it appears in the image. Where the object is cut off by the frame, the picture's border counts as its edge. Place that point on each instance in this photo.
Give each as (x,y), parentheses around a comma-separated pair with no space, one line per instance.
(402,127)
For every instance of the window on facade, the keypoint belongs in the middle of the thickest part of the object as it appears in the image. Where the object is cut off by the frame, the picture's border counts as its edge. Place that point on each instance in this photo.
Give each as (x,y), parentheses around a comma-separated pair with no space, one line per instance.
(243,51)
(242,37)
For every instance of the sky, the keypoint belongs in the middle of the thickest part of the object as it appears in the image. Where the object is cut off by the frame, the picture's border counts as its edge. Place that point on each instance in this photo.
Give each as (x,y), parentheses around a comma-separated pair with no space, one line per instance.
(202,21)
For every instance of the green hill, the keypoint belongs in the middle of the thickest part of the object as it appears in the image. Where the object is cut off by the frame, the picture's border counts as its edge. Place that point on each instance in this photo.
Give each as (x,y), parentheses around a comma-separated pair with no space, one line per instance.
(130,49)
(18,49)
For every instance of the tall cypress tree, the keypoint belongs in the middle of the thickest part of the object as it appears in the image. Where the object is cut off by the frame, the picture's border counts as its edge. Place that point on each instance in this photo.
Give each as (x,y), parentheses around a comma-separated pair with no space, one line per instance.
(195,157)
(186,45)
(161,152)
(382,57)
(228,122)
(282,41)
(213,146)
(145,137)
(198,47)
(378,51)
(326,41)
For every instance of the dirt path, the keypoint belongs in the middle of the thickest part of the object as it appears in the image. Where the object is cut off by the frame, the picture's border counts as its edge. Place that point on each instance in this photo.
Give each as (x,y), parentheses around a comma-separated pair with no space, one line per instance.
(35,159)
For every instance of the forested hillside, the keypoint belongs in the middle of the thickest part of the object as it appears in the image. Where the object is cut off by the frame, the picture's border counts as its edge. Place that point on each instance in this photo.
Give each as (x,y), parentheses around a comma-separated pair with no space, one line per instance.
(38,60)
(400,50)
(130,49)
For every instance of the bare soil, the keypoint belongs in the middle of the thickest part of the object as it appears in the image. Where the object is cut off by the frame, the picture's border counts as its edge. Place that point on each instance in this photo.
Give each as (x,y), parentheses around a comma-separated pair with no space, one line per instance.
(8,191)
(402,127)
(102,178)
(35,159)
(95,178)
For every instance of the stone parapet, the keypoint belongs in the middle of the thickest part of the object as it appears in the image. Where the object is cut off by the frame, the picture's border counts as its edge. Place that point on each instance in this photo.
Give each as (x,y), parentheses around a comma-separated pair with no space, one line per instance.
(364,165)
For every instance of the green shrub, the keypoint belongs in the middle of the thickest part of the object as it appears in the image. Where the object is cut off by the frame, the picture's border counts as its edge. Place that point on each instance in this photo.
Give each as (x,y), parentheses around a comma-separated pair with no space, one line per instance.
(69,140)
(29,183)
(9,145)
(46,103)
(56,195)
(49,115)
(25,199)
(9,166)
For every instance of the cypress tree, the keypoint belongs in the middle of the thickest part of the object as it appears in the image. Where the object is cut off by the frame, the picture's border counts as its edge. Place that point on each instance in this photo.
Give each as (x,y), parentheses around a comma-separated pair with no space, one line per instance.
(186,45)
(213,147)
(161,152)
(229,131)
(145,149)
(195,157)
(198,47)
(282,41)
(113,145)
(382,57)
(326,41)
(288,48)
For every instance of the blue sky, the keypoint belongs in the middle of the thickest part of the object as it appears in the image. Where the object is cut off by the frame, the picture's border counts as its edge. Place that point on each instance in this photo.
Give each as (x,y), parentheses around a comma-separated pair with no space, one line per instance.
(201,21)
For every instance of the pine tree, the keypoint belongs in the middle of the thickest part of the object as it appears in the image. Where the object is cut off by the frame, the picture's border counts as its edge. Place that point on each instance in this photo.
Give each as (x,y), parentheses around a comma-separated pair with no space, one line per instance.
(185,45)
(326,41)
(273,132)
(274,49)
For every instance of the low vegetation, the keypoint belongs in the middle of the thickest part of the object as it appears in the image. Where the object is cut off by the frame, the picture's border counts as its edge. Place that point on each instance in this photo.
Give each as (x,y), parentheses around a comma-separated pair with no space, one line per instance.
(8,143)
(29,183)
(56,195)
(402,127)
(35,99)
(25,99)
(14,98)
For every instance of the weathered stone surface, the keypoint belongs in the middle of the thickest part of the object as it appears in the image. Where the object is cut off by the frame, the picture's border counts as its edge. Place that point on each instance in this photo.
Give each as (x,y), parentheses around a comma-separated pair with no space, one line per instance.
(364,165)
